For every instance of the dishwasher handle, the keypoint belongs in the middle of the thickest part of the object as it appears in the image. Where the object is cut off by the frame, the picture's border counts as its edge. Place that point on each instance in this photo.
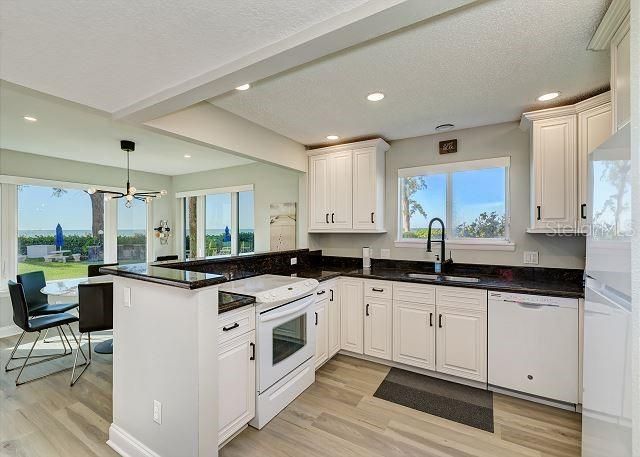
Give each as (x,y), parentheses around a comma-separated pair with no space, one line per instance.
(527,304)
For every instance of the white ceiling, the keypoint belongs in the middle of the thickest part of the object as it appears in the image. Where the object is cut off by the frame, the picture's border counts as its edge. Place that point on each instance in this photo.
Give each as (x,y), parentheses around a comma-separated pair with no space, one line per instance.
(480,65)
(109,54)
(70,131)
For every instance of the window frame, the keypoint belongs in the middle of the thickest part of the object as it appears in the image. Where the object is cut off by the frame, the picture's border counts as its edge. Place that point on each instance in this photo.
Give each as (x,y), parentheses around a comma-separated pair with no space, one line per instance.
(498,244)
(201,195)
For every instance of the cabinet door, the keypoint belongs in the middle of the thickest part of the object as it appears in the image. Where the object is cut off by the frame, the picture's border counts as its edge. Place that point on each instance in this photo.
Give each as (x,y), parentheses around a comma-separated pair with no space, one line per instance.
(322,333)
(554,173)
(352,315)
(341,190)
(594,127)
(237,385)
(461,342)
(364,189)
(621,76)
(319,193)
(333,319)
(414,334)
(378,327)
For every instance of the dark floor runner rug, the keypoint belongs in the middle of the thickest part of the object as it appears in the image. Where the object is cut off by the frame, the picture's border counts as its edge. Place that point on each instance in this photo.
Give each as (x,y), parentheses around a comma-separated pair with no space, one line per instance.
(464,404)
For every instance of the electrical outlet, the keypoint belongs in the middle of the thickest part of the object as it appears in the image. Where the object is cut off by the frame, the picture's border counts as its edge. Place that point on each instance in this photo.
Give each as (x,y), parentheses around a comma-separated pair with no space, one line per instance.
(294,260)
(385,253)
(531,257)
(126,297)
(157,412)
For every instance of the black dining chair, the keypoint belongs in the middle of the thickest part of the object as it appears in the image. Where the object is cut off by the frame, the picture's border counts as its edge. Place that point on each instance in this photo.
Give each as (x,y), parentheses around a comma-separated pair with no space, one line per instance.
(96,314)
(36,324)
(161,258)
(37,302)
(94,269)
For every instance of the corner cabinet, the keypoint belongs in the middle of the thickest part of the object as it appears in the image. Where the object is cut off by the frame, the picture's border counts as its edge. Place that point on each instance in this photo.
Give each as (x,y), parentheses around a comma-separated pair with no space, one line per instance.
(346,188)
(561,140)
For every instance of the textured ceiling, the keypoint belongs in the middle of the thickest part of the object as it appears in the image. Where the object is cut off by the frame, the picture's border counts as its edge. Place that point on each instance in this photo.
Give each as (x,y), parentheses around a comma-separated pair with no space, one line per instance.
(109,54)
(480,65)
(70,131)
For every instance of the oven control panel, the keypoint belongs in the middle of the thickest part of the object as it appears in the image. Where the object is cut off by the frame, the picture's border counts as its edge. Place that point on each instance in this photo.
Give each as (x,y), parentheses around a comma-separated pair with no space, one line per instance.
(287,292)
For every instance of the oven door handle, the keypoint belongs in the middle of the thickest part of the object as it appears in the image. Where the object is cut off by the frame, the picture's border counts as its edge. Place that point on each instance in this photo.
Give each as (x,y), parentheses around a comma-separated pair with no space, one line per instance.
(271,317)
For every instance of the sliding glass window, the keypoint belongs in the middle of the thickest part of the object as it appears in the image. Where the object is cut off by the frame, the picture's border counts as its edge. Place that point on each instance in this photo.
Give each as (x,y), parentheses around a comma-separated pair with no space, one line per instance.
(219,228)
(132,232)
(246,224)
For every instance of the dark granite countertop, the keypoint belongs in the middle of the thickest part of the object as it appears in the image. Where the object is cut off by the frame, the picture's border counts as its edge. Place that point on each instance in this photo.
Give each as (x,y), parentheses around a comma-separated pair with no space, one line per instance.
(170,277)
(229,302)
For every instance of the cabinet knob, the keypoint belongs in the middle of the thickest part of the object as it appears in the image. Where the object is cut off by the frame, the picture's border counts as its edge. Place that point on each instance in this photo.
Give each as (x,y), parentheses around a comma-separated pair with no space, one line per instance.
(529,377)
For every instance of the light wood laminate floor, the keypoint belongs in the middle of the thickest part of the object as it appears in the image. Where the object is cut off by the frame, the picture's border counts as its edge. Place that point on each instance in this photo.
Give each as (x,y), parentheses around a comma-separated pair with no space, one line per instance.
(337,416)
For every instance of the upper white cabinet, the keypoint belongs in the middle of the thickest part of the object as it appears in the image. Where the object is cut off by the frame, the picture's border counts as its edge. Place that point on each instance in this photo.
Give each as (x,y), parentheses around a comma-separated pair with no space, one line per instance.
(346,187)
(621,76)
(561,139)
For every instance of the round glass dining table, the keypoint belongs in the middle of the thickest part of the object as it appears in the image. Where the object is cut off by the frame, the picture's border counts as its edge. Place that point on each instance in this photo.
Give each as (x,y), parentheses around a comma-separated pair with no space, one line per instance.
(66,291)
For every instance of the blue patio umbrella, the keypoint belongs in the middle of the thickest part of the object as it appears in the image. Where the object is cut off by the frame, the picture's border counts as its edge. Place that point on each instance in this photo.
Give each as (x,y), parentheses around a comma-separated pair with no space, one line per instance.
(59,237)
(227,235)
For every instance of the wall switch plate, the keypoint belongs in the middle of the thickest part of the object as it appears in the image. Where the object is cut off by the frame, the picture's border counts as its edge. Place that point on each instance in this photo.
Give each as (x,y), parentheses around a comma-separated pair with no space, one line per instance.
(385,253)
(126,297)
(531,257)
(157,412)
(294,260)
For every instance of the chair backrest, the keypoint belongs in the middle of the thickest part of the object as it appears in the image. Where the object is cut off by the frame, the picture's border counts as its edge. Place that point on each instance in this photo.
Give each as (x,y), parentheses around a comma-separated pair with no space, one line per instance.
(32,283)
(19,304)
(160,258)
(94,269)
(95,306)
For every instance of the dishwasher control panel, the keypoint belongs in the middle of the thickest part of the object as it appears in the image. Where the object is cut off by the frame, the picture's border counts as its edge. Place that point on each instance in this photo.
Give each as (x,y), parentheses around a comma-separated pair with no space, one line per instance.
(533,300)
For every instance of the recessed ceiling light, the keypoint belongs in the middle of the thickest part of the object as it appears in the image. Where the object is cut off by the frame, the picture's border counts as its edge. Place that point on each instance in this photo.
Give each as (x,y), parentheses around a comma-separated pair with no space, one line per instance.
(187,156)
(549,96)
(243,87)
(375,97)
(444,127)
(30,118)
(333,137)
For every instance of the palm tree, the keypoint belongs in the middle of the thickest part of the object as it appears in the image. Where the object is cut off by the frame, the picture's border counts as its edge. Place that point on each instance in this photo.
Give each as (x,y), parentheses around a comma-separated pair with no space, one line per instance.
(410,205)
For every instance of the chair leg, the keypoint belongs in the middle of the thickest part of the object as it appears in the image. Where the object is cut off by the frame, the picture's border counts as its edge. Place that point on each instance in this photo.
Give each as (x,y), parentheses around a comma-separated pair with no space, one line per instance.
(75,362)
(46,357)
(15,348)
(77,342)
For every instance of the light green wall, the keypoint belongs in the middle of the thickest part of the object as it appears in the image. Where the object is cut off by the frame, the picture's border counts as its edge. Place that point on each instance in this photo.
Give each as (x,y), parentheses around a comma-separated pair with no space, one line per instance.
(272,184)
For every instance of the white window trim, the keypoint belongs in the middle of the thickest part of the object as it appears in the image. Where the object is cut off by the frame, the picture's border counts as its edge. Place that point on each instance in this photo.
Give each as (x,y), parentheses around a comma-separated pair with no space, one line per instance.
(217,190)
(458,243)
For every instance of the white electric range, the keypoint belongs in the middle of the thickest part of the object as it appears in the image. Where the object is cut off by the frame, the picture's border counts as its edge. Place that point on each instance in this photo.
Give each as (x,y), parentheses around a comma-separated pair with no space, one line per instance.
(285,336)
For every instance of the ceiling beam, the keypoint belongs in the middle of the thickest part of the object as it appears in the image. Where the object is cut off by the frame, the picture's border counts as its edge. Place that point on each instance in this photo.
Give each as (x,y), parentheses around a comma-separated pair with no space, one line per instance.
(368,21)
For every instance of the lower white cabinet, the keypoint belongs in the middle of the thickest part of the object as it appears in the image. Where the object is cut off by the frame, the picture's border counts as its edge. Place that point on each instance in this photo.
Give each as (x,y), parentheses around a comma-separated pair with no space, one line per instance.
(378,327)
(414,334)
(352,315)
(333,318)
(236,384)
(322,332)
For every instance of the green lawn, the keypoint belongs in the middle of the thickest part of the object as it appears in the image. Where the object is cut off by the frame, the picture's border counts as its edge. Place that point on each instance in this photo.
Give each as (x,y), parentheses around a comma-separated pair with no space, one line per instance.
(54,270)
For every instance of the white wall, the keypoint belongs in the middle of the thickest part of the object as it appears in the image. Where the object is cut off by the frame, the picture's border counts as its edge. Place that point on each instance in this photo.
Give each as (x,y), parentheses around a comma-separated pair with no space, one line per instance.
(478,143)
(272,184)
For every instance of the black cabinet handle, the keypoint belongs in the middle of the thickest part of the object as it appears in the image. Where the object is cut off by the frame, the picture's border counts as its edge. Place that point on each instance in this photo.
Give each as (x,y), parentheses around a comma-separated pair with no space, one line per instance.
(376,289)
(539,216)
(430,319)
(332,221)
(231,327)
(253,351)
(372,221)
(367,310)
(331,290)
(320,292)
(326,217)
(440,320)
(316,318)
(582,208)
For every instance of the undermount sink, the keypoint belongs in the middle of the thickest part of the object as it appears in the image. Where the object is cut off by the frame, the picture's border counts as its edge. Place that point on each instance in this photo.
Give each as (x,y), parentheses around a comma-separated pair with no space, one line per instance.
(431,277)
(423,276)
(460,279)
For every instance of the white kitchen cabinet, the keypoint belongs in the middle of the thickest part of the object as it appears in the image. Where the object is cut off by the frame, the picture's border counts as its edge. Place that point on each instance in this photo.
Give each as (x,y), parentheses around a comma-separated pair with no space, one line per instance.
(414,334)
(346,188)
(236,384)
(461,333)
(594,127)
(322,332)
(333,318)
(368,189)
(621,75)
(352,315)
(378,327)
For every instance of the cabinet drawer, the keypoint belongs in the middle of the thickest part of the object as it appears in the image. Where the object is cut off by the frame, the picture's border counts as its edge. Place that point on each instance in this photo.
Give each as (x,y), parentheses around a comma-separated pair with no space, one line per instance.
(327,290)
(235,323)
(415,293)
(462,297)
(378,289)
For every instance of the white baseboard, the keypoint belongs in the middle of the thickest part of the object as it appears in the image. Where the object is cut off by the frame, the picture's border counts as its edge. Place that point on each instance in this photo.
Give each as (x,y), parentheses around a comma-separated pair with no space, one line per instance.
(9,330)
(126,445)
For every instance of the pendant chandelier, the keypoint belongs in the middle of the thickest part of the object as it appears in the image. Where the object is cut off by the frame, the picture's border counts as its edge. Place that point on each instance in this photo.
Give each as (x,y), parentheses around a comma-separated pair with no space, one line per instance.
(132,192)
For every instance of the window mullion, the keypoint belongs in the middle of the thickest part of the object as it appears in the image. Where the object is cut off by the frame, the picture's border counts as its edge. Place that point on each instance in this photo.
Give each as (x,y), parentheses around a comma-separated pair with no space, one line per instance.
(201,218)
(449,203)
(234,222)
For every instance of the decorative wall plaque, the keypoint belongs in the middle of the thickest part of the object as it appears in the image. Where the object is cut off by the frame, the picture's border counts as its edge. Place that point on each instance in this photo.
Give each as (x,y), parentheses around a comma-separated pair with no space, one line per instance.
(448,146)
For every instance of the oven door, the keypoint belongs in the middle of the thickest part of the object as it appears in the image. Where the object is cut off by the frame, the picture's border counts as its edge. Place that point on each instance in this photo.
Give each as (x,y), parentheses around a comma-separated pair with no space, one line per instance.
(286,339)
